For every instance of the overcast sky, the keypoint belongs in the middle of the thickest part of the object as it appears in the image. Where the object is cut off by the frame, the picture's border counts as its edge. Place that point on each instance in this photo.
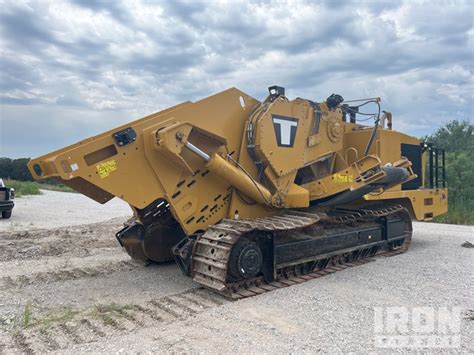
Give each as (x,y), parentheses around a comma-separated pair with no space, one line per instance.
(72,69)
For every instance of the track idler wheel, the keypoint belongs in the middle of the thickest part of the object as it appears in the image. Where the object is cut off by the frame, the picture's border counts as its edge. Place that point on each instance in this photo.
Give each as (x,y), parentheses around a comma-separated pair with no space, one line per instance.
(246,260)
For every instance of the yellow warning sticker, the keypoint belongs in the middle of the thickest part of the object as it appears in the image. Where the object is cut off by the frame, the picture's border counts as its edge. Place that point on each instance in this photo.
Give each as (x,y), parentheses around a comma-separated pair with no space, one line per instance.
(343,178)
(106,167)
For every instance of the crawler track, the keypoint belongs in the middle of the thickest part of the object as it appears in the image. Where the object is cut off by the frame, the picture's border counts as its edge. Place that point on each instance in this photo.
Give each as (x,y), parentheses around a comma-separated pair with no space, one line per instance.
(212,250)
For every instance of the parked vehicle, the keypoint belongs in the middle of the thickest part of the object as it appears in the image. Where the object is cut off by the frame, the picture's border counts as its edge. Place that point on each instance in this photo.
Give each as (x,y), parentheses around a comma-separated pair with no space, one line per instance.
(6,196)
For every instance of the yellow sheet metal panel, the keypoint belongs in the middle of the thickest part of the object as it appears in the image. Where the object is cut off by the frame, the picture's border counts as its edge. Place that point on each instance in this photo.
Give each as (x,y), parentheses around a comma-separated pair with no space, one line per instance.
(423,203)
(138,174)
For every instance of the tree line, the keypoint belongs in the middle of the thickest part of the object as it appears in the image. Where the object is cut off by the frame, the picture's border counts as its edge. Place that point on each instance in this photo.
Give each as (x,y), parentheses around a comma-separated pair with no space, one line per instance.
(15,169)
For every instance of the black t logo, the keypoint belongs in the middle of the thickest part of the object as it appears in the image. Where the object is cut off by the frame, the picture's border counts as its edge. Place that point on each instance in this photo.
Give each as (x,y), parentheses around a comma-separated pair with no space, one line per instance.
(285,130)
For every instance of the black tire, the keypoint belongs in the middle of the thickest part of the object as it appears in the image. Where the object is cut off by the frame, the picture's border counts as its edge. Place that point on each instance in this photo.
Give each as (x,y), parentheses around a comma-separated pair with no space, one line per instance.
(246,260)
(6,214)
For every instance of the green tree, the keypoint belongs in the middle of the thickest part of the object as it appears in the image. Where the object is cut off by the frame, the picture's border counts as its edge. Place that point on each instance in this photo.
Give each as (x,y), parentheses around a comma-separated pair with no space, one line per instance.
(20,169)
(5,167)
(15,169)
(457,138)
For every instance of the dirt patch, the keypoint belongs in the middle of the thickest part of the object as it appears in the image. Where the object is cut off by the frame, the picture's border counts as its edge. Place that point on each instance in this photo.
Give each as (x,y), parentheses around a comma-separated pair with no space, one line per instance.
(68,274)
(66,241)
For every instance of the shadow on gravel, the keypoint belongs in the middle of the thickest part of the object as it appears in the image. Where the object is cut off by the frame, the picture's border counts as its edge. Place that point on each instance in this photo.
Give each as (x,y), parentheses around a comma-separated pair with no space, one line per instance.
(421,244)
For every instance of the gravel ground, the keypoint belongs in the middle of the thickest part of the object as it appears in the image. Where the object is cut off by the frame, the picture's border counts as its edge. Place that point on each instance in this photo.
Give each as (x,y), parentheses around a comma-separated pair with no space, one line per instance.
(58,209)
(70,289)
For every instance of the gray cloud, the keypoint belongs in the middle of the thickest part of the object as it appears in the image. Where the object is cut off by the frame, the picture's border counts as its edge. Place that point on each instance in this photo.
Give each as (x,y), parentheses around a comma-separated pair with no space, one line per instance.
(72,69)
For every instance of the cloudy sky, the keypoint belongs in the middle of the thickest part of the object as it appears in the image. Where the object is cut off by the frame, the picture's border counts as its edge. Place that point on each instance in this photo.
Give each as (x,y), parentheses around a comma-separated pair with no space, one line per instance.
(71,69)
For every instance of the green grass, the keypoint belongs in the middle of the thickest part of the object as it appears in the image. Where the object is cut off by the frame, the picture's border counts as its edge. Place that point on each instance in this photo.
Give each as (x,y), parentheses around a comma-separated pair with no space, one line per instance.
(59,187)
(27,320)
(27,316)
(54,319)
(22,320)
(457,214)
(109,314)
(24,188)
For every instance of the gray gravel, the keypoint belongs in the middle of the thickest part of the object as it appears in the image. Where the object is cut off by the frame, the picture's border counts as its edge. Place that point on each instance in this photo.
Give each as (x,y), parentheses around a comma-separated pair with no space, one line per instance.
(69,265)
(54,209)
(334,313)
